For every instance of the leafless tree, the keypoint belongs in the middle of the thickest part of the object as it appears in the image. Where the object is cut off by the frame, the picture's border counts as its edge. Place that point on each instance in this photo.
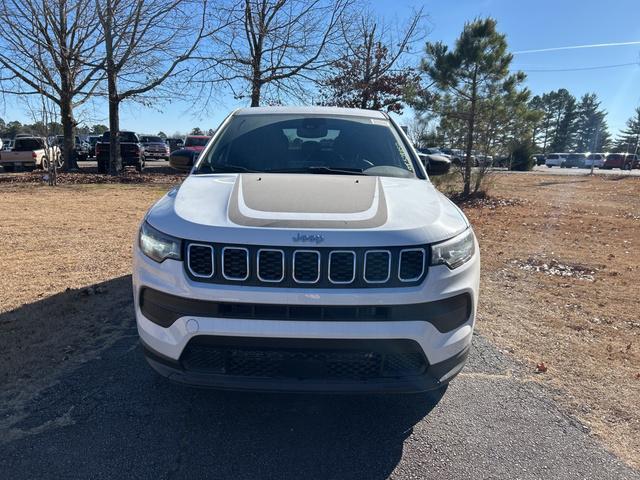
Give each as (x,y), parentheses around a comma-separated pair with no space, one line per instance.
(374,71)
(146,44)
(46,45)
(274,48)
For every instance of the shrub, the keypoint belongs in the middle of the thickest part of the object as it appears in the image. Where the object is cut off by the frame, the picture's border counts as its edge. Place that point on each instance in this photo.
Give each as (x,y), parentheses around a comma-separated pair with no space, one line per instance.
(522,157)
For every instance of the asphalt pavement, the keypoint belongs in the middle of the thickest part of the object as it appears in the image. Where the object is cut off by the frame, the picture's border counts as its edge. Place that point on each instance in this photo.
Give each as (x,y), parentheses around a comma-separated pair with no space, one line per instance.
(112,417)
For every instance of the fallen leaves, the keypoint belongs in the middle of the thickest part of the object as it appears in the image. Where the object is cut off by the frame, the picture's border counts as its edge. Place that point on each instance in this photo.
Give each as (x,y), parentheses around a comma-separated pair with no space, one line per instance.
(541,368)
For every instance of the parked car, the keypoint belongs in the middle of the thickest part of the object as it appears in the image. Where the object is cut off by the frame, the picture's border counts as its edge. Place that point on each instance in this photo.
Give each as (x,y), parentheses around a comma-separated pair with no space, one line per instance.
(456,156)
(555,159)
(154,147)
(195,143)
(623,161)
(310,269)
(7,143)
(30,152)
(435,164)
(481,160)
(434,151)
(130,150)
(595,159)
(539,159)
(175,144)
(82,147)
(574,160)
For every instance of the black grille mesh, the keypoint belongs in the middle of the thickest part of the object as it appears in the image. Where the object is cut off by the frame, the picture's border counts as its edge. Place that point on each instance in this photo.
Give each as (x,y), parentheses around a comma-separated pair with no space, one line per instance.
(201,260)
(235,263)
(305,266)
(341,267)
(270,265)
(411,264)
(282,362)
(376,267)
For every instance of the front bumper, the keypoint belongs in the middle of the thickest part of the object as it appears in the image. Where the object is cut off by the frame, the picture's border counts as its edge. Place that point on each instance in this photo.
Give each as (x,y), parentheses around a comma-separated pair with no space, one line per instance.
(445,352)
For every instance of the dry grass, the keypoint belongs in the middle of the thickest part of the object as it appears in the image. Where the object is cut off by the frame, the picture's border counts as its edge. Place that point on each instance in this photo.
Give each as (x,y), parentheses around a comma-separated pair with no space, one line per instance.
(560,286)
(586,330)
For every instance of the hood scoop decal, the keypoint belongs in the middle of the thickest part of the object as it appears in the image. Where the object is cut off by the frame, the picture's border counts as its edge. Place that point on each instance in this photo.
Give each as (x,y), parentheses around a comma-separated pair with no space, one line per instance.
(307,201)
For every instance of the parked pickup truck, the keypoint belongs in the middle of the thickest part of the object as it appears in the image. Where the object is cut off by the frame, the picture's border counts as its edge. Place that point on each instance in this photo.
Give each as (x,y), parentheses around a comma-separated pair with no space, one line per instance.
(130,149)
(154,147)
(29,153)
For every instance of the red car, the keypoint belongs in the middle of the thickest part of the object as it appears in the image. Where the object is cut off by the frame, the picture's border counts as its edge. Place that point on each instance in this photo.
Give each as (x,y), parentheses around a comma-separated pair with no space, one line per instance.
(196,143)
(623,161)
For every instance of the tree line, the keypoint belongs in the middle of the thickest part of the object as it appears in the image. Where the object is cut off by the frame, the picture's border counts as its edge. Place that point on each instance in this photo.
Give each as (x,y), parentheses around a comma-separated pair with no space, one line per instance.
(59,57)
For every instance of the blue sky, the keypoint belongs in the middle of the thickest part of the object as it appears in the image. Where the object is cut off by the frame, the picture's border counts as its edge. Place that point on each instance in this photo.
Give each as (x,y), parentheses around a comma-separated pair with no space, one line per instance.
(528,24)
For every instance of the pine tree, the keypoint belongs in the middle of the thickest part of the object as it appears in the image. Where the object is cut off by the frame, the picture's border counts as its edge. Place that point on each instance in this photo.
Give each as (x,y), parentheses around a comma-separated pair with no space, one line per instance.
(591,126)
(629,138)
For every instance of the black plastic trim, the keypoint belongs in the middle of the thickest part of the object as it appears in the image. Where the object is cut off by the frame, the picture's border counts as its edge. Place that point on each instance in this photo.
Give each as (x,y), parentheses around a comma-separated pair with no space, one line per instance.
(446,315)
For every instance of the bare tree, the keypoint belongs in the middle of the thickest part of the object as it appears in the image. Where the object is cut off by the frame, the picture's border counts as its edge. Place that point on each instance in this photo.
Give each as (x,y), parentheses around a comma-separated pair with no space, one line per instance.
(373,72)
(273,48)
(145,42)
(46,46)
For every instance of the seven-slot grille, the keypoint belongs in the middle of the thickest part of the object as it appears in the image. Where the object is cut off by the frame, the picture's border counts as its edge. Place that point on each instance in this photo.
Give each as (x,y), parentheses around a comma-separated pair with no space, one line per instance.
(321,267)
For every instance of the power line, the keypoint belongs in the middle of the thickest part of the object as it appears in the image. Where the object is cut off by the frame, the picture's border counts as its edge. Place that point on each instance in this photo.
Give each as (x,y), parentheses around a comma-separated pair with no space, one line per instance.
(599,67)
(576,47)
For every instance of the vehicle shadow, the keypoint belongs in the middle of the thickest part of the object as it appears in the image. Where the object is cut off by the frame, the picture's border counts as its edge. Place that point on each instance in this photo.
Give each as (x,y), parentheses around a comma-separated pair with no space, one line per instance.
(114,410)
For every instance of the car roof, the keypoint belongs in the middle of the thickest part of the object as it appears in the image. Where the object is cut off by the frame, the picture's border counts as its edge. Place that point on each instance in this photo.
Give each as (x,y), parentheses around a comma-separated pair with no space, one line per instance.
(198,136)
(315,110)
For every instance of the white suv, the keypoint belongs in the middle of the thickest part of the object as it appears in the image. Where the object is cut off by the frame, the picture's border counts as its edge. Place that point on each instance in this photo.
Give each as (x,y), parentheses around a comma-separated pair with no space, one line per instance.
(307,251)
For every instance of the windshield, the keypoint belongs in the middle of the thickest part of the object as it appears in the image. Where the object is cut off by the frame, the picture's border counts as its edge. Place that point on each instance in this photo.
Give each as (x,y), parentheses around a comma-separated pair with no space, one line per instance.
(151,140)
(308,144)
(196,141)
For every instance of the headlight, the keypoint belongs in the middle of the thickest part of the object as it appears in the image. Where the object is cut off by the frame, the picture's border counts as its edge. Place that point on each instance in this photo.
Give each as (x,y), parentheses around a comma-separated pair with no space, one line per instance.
(455,251)
(157,245)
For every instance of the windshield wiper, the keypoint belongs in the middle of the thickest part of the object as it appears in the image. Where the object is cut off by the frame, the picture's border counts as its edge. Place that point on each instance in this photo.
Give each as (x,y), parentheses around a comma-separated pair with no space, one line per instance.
(322,170)
(231,169)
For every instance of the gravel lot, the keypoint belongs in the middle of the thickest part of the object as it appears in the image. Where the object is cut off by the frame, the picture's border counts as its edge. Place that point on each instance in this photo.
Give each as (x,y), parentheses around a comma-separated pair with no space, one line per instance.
(79,408)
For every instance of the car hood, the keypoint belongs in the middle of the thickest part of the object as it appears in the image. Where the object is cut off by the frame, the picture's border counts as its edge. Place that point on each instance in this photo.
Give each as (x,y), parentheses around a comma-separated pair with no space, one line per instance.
(341,210)
(436,157)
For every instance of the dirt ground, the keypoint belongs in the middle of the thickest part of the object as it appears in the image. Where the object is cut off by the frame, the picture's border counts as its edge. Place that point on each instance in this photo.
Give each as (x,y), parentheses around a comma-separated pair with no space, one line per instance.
(559,284)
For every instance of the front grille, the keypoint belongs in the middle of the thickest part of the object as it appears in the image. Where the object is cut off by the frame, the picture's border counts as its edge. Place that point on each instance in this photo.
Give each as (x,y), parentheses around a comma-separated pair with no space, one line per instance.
(377,266)
(320,267)
(306,266)
(342,266)
(270,265)
(412,261)
(200,260)
(235,263)
(303,359)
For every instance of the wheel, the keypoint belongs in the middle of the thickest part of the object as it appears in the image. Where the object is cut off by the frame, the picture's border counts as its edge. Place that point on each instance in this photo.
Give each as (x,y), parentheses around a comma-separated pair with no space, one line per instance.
(627,167)
(549,166)
(140,165)
(44,164)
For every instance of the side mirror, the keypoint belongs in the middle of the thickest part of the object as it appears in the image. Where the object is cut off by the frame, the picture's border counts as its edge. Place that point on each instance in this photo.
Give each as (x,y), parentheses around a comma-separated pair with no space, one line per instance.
(182,160)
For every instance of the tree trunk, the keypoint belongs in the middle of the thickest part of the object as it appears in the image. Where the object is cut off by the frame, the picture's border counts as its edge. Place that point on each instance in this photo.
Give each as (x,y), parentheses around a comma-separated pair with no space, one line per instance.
(115,160)
(470,126)
(255,92)
(68,146)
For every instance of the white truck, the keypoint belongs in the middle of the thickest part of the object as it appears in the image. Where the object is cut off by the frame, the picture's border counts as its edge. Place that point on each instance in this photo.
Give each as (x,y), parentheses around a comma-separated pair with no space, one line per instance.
(306,251)
(30,152)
